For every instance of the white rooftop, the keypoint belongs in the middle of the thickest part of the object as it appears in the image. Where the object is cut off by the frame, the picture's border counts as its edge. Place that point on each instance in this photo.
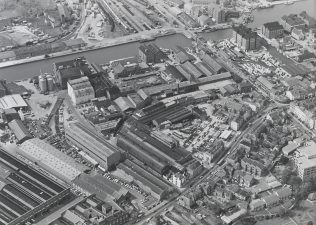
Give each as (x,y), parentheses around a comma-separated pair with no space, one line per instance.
(12,101)
(51,159)
(306,157)
(309,150)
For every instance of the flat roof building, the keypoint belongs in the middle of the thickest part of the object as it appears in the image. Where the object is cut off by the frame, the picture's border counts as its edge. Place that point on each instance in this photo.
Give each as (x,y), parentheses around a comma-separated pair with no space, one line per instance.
(3,88)
(245,38)
(72,69)
(151,53)
(94,144)
(305,161)
(272,30)
(80,90)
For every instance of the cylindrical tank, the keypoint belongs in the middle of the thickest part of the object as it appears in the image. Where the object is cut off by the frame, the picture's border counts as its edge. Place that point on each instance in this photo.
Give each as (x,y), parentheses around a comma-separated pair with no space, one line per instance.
(42,83)
(50,82)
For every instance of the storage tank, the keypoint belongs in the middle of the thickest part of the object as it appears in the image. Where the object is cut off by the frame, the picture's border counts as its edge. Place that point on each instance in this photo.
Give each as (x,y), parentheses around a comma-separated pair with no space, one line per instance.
(42,83)
(50,83)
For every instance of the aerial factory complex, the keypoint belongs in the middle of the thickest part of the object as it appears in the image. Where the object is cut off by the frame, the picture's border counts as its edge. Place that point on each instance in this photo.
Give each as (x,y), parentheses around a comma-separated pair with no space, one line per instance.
(167,112)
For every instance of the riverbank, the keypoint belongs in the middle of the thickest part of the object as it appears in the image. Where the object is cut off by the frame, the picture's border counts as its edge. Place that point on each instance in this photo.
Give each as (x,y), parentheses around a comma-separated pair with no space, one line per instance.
(281,8)
(109,43)
(284,2)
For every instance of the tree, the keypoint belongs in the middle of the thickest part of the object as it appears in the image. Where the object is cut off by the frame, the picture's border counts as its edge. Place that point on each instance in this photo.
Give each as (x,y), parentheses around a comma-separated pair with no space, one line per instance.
(286,173)
(295,181)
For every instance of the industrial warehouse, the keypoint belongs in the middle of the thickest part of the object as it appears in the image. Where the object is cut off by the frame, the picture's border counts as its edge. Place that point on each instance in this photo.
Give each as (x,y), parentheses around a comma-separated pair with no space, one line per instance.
(25,193)
(151,149)
(52,160)
(198,117)
(93,144)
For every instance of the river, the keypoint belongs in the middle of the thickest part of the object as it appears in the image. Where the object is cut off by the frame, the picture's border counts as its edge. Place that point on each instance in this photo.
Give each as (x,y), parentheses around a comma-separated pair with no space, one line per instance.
(103,55)
(262,16)
(99,56)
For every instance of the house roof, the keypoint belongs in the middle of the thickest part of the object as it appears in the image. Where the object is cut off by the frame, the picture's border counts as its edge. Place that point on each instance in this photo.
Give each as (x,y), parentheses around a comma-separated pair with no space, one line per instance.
(19,130)
(124,104)
(253,162)
(248,178)
(293,20)
(257,203)
(297,31)
(271,199)
(283,192)
(305,16)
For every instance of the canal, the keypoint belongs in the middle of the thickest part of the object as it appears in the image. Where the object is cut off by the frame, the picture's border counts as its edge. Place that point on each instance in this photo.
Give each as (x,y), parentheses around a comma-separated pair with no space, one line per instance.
(262,16)
(99,56)
(103,55)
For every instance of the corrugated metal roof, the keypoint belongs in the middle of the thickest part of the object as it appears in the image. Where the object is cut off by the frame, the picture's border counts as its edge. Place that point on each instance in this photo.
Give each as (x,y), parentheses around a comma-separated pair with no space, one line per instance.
(12,101)
(56,162)
(19,130)
(95,142)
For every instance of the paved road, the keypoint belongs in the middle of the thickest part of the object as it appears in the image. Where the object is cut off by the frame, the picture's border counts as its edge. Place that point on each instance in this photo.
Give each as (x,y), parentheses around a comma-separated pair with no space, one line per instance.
(211,174)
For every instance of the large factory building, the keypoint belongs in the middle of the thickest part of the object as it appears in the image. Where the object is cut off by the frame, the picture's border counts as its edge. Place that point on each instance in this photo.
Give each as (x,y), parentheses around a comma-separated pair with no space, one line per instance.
(24,192)
(151,149)
(93,144)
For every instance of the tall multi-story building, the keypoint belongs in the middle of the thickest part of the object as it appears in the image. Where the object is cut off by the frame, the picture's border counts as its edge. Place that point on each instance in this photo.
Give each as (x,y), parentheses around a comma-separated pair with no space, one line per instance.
(253,167)
(3,89)
(72,69)
(272,30)
(222,15)
(151,53)
(305,161)
(245,38)
(305,115)
(80,90)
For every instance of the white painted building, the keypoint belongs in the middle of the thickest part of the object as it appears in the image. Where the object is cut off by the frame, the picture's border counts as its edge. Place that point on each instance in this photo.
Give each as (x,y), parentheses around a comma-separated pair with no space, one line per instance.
(305,161)
(80,90)
(305,116)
